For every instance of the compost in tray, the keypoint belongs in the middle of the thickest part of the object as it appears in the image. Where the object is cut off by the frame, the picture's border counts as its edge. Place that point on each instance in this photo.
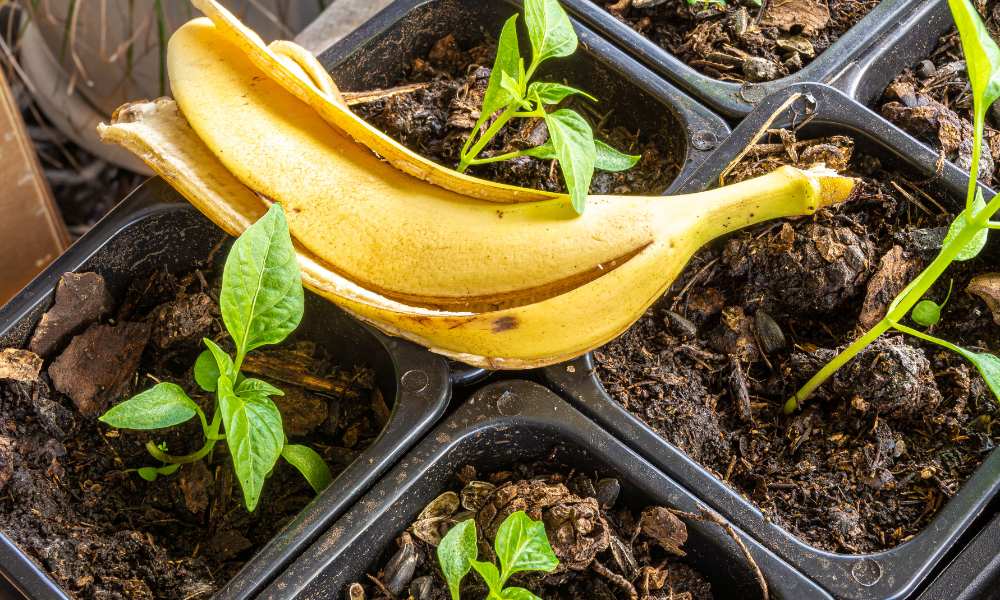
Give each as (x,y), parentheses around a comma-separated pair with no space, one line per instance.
(868,463)
(71,497)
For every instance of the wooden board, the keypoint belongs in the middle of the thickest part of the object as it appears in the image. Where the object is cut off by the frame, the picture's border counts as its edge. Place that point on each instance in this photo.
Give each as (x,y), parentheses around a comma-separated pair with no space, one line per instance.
(32,233)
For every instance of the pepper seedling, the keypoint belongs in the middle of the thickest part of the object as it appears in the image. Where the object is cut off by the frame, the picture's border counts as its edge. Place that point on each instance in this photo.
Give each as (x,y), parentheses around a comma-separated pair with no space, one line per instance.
(512,93)
(262,302)
(521,545)
(968,233)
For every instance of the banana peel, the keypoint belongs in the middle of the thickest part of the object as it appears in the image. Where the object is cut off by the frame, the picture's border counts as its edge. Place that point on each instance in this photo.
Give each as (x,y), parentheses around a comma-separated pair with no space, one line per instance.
(550,318)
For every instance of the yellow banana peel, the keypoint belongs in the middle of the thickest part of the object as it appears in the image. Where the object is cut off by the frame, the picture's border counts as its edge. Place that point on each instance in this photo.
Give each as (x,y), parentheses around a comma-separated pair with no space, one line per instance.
(503,286)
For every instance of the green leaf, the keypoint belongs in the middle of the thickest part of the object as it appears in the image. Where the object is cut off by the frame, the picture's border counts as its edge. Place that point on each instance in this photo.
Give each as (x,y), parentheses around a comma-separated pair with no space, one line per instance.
(455,554)
(516,593)
(223,362)
(522,545)
(982,56)
(152,473)
(310,464)
(161,406)
(508,62)
(488,571)
(262,298)
(573,140)
(554,93)
(550,30)
(976,245)
(251,386)
(511,87)
(206,371)
(609,159)
(926,313)
(544,152)
(255,437)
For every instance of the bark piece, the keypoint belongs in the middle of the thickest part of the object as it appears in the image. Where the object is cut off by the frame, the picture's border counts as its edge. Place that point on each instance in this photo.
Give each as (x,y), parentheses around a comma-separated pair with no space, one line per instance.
(665,527)
(987,288)
(808,16)
(19,365)
(896,269)
(98,364)
(301,412)
(81,299)
(183,321)
(7,454)
(195,482)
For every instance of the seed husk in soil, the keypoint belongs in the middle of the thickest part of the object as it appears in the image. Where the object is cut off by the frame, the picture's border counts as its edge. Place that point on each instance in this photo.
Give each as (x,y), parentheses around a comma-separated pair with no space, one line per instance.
(607,549)
(932,100)
(433,108)
(740,41)
(67,495)
(870,461)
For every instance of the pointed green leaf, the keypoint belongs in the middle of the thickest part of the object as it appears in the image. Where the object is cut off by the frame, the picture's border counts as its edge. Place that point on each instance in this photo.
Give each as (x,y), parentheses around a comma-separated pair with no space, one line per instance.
(223,362)
(976,245)
(255,437)
(573,140)
(550,30)
(522,545)
(554,93)
(163,405)
(310,464)
(262,298)
(251,386)
(511,87)
(609,159)
(489,573)
(508,62)
(455,554)
(982,56)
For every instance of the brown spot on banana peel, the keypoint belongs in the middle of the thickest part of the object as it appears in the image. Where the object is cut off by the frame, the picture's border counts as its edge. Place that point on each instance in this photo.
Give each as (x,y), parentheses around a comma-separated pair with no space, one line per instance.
(504,324)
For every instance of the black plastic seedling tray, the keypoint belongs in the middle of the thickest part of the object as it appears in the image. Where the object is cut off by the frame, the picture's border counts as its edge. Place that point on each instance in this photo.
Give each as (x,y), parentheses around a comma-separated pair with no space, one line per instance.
(911,41)
(378,53)
(154,229)
(975,573)
(737,100)
(499,426)
(888,575)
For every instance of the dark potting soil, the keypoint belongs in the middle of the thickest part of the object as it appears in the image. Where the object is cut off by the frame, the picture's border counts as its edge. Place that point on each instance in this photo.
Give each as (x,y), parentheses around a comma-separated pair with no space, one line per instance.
(602,544)
(741,41)
(67,495)
(933,101)
(437,115)
(881,448)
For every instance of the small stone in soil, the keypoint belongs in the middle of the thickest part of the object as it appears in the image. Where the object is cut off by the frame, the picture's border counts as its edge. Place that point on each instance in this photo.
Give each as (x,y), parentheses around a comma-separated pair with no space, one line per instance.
(301,412)
(186,320)
(96,367)
(81,299)
(22,366)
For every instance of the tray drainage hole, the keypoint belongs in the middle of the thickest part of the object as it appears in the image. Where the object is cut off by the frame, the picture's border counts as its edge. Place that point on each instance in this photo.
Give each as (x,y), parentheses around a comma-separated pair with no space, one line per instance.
(415,381)
(507,405)
(867,572)
(704,140)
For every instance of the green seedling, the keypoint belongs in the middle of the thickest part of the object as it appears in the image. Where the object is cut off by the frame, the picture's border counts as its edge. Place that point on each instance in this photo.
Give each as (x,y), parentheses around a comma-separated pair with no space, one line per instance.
(511,94)
(927,313)
(262,303)
(521,545)
(968,233)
